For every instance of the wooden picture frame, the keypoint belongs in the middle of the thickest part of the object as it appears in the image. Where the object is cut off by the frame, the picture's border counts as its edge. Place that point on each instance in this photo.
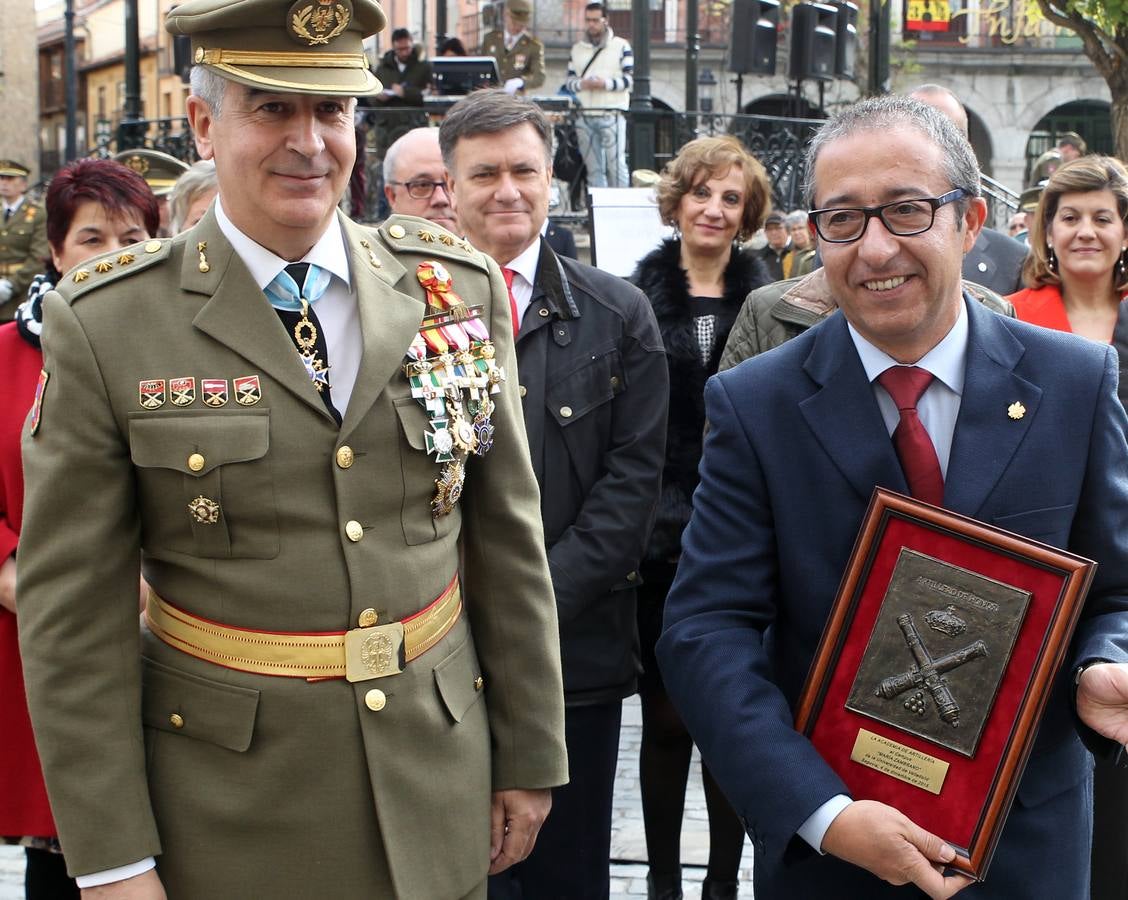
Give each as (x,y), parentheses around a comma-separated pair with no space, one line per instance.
(892,739)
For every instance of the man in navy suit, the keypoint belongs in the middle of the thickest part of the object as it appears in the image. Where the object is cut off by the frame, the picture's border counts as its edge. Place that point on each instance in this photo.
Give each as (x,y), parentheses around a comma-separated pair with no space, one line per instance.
(798,439)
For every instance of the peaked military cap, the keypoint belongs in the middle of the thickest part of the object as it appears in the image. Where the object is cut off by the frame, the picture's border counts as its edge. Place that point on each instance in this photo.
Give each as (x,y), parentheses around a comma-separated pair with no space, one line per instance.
(519,9)
(303,47)
(158,169)
(13,169)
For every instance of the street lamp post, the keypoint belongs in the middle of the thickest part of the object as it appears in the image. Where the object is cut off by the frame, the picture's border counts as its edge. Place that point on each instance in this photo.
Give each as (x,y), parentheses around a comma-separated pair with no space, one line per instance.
(642,108)
(131,132)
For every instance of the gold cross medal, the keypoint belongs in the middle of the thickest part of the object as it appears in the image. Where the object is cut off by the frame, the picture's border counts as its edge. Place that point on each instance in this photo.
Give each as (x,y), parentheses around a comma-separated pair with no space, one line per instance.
(305,336)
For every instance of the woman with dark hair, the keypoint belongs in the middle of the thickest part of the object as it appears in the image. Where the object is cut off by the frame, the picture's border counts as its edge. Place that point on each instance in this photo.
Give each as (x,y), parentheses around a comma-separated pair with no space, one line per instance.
(715,194)
(93,206)
(452,47)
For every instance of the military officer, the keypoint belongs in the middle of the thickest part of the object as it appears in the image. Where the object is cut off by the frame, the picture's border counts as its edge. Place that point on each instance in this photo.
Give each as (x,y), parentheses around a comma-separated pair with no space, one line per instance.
(519,55)
(307,433)
(23,237)
(160,171)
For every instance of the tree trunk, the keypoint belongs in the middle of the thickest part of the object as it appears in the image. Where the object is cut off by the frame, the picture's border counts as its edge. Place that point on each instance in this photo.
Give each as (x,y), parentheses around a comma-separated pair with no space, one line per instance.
(1118,85)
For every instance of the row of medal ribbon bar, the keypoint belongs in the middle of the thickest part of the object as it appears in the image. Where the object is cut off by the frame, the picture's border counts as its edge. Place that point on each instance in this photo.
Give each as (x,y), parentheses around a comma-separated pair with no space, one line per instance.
(182,391)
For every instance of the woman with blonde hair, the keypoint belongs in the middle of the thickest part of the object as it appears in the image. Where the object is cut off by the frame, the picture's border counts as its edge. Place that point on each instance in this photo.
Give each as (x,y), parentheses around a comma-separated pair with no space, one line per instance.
(715,194)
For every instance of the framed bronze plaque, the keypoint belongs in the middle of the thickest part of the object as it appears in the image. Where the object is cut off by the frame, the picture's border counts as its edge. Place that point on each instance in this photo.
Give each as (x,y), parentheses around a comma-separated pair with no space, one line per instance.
(935,667)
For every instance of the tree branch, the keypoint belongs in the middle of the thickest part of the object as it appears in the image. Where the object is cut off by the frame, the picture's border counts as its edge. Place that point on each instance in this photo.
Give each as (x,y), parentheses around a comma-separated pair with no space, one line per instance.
(1102,48)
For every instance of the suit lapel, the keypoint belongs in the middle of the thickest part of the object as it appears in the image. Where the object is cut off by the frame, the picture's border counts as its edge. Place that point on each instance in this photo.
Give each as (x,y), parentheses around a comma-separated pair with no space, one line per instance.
(988,431)
(844,416)
(239,316)
(389,319)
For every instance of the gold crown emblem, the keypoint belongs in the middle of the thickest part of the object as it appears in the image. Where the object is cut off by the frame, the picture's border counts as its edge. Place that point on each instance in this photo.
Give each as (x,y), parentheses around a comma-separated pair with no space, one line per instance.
(313,22)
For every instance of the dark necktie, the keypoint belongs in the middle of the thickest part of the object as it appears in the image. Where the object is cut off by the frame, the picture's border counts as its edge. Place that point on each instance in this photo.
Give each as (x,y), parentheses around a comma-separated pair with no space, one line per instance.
(7,214)
(508,274)
(302,323)
(906,385)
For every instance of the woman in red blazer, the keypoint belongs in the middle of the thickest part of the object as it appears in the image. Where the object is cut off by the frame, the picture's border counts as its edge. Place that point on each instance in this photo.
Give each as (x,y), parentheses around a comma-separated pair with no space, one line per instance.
(1078,275)
(1077,270)
(93,206)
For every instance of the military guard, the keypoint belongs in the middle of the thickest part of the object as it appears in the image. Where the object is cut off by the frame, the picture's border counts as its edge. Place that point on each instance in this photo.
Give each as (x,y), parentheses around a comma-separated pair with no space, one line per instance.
(160,171)
(519,55)
(23,237)
(308,436)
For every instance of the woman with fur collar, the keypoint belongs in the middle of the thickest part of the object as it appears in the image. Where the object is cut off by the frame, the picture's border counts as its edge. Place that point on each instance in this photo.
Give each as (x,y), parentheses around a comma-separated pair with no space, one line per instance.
(715,194)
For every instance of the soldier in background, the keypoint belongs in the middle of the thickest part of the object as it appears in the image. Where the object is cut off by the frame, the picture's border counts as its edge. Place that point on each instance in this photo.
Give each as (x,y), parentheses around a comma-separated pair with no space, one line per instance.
(160,171)
(23,237)
(519,55)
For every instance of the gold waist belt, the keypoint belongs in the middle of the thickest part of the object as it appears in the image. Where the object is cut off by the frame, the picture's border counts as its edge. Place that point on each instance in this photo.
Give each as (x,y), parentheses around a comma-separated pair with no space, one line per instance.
(358,655)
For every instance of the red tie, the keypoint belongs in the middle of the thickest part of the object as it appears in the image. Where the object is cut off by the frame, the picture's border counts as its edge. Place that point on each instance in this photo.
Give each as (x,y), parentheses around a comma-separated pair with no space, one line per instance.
(905,385)
(508,274)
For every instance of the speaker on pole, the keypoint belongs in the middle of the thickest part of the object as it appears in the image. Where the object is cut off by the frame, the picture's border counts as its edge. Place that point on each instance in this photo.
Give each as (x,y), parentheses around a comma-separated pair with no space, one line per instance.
(813,39)
(753,37)
(846,39)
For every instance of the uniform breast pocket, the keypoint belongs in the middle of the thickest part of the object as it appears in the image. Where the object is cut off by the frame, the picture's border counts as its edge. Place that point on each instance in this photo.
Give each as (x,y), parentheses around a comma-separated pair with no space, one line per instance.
(418,471)
(205,483)
(579,401)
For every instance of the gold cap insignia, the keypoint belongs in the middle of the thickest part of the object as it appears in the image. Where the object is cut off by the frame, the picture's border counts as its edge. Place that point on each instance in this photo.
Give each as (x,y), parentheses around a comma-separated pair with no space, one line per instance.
(137,163)
(1016,410)
(313,22)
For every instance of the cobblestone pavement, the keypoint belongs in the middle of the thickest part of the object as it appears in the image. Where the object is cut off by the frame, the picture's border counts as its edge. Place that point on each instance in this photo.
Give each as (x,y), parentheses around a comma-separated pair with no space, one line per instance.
(628,844)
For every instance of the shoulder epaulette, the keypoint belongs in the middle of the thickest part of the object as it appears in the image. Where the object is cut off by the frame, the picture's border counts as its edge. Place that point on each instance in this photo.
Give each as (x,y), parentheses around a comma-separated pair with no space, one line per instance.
(109,267)
(407,234)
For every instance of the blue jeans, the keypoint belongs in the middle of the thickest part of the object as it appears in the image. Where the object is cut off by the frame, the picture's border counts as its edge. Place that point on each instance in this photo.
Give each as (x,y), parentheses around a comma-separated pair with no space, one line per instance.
(602,139)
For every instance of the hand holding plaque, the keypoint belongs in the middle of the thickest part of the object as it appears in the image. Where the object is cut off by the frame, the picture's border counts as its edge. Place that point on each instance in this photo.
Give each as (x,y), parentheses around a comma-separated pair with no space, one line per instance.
(932,674)
(895,849)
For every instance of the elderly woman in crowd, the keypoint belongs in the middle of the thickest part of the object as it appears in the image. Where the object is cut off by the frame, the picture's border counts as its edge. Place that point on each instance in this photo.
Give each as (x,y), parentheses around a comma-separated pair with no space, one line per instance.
(192,195)
(1077,278)
(93,206)
(715,195)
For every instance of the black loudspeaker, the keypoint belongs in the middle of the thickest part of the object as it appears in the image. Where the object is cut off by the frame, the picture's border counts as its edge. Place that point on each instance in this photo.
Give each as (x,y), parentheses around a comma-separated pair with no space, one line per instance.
(182,55)
(753,39)
(846,39)
(812,41)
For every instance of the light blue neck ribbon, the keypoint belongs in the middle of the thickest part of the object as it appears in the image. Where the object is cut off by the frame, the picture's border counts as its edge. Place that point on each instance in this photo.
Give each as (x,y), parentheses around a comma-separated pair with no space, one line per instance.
(283,291)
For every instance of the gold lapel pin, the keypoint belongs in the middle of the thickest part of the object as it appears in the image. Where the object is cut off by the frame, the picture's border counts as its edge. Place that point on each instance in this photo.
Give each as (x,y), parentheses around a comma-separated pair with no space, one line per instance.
(1016,410)
(375,263)
(201,248)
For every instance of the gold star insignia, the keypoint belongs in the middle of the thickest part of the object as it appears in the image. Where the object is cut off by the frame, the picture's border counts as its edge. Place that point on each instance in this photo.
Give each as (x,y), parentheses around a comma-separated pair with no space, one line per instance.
(426,236)
(125,259)
(447,239)
(80,276)
(1016,410)
(103,266)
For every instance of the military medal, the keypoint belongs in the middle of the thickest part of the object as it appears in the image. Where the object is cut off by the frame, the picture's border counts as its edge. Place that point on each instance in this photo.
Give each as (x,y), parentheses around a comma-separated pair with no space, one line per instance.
(215,391)
(450,366)
(204,510)
(182,390)
(305,336)
(247,390)
(152,393)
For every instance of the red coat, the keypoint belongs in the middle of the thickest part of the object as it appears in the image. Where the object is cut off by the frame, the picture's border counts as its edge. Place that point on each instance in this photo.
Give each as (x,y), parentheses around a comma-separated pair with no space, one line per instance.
(23,798)
(1041,306)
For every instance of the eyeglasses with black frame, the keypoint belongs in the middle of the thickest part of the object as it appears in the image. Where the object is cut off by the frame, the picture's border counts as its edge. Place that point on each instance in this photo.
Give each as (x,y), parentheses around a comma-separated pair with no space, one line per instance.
(904,218)
(420,190)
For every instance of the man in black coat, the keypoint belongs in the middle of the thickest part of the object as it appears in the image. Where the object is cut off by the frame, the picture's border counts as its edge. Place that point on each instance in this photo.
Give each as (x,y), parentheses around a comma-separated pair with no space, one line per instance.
(594,384)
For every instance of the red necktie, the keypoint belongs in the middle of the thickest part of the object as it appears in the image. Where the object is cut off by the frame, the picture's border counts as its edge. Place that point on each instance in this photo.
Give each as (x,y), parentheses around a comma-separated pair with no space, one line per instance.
(508,274)
(905,385)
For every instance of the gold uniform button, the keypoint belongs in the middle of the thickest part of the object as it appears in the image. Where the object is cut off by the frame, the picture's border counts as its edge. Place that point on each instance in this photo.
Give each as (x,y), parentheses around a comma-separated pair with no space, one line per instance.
(367,618)
(152,246)
(522,390)
(614,381)
(397,231)
(354,531)
(479,683)
(195,462)
(566,412)
(345,456)
(176,720)
(375,700)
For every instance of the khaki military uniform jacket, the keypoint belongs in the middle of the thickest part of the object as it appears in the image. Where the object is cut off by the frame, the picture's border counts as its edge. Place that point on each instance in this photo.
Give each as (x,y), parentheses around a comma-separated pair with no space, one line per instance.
(254,785)
(524,60)
(23,252)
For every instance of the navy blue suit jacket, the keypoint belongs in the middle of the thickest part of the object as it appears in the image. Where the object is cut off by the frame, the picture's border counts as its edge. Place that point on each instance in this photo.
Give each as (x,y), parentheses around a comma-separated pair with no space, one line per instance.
(796,445)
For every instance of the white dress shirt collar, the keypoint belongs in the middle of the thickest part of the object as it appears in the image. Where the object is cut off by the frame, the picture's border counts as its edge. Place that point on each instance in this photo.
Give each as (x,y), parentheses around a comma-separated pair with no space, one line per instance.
(525,265)
(328,253)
